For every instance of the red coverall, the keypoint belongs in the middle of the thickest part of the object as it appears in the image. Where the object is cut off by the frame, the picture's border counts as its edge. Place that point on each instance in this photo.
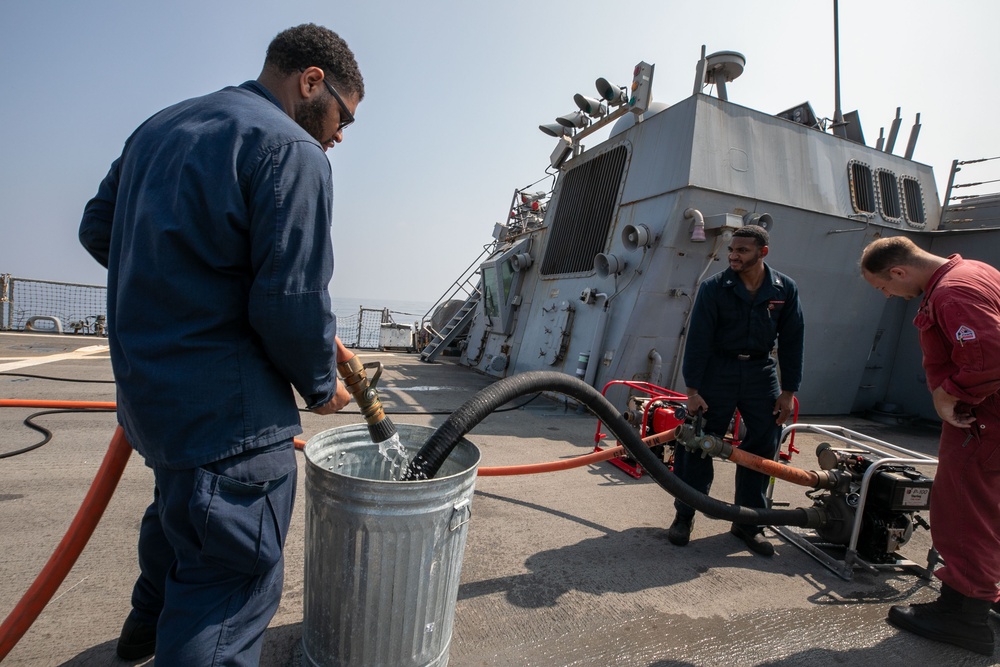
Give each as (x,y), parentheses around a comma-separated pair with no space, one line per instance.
(959,325)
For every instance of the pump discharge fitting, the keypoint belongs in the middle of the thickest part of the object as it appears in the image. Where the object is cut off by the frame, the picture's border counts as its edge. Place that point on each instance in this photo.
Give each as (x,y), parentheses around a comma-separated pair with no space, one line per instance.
(352,372)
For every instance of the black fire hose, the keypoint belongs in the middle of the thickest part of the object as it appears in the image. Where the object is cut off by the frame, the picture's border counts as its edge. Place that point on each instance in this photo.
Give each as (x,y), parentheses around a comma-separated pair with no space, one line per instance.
(428,460)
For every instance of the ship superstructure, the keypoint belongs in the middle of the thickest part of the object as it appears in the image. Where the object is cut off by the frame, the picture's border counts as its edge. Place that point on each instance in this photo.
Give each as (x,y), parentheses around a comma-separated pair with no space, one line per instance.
(597,277)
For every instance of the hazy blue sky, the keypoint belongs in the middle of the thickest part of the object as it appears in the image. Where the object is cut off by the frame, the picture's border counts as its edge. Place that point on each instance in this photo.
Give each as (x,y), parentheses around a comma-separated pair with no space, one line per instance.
(455,92)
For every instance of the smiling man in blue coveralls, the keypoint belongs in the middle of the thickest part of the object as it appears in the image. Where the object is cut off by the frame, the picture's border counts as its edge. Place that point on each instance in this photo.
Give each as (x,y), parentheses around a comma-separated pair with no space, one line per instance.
(214,225)
(739,315)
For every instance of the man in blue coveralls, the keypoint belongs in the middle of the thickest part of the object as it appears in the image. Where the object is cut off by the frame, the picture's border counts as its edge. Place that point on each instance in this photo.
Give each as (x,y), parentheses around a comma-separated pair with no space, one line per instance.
(214,225)
(738,316)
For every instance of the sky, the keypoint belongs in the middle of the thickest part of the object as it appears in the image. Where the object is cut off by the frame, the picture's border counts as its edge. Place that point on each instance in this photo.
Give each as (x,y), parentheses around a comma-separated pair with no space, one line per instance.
(455,91)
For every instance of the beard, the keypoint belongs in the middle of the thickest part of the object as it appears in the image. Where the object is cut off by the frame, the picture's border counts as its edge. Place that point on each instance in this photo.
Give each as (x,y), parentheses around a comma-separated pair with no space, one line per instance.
(310,116)
(748,264)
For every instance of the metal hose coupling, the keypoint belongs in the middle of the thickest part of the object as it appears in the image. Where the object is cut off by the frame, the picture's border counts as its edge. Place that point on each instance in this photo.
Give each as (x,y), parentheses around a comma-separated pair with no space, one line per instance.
(353,374)
(695,440)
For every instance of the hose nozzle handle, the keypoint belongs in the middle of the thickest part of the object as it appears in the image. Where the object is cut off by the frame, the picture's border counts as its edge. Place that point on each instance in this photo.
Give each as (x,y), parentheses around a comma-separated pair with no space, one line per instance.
(352,372)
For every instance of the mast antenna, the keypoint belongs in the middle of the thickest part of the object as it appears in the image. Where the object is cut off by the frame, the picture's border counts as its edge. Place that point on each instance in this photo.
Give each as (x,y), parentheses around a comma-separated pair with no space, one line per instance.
(839,127)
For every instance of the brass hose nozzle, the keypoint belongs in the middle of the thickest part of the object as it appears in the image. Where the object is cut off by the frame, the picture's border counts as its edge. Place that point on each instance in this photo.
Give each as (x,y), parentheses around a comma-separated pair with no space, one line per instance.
(353,373)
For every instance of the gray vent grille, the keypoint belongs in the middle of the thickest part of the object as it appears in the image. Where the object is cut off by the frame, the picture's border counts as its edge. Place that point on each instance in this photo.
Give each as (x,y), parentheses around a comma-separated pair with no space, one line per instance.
(585,210)
(862,195)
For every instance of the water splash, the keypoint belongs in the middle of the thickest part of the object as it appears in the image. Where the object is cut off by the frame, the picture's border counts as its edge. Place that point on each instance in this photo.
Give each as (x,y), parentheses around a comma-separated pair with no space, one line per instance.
(393,451)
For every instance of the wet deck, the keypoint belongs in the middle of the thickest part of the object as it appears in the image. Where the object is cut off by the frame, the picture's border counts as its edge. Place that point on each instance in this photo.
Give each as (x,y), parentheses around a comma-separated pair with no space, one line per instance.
(566,568)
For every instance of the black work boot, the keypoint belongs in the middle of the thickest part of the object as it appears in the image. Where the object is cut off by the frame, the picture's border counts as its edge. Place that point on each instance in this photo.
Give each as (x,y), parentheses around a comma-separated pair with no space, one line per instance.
(952,618)
(753,537)
(137,640)
(679,532)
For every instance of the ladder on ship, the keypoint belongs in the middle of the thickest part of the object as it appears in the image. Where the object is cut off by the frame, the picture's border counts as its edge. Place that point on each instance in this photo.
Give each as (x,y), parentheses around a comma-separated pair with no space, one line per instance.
(455,326)
(467,288)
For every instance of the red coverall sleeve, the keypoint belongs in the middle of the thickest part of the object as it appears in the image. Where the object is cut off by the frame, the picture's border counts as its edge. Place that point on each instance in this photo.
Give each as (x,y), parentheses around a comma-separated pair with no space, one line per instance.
(974,331)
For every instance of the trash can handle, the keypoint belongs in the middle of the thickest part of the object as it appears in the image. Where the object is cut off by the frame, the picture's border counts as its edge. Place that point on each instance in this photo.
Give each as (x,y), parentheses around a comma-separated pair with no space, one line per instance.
(460,514)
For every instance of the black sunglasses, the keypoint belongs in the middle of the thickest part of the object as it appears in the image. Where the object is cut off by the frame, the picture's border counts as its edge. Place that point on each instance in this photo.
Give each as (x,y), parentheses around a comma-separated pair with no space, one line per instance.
(346,117)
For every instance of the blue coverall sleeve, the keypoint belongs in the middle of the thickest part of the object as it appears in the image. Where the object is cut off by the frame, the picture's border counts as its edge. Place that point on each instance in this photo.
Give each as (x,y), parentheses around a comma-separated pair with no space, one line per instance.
(292,258)
(98,215)
(791,339)
(698,346)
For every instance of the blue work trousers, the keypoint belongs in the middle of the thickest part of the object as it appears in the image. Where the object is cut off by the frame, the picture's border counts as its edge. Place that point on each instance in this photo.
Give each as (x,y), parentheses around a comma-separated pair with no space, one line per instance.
(752,388)
(211,556)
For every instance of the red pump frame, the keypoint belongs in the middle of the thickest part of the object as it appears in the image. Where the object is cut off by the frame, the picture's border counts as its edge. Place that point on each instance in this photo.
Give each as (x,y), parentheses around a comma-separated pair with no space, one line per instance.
(655,392)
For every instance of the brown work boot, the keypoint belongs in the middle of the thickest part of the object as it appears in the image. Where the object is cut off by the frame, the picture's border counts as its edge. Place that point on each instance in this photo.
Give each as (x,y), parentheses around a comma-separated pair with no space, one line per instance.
(679,532)
(753,537)
(952,618)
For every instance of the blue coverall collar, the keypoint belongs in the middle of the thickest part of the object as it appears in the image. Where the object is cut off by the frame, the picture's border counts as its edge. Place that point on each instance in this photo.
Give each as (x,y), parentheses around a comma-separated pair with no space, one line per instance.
(772,283)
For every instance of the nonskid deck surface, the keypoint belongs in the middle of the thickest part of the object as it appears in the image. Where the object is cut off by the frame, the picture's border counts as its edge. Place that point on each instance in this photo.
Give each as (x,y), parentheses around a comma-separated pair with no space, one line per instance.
(565,568)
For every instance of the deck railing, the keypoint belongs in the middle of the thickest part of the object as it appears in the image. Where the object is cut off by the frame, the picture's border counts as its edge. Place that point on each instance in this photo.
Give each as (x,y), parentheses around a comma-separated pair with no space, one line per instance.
(46,306)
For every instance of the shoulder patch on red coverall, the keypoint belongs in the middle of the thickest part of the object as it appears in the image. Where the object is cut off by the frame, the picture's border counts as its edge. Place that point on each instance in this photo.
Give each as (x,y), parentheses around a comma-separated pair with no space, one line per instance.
(964,334)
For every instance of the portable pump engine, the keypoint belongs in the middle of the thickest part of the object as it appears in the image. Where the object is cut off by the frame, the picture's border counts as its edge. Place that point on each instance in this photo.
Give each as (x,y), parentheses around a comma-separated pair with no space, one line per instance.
(894,496)
(661,415)
(889,504)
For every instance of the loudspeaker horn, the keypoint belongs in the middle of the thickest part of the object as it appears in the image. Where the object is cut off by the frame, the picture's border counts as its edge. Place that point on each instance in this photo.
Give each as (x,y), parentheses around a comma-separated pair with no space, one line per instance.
(636,236)
(760,219)
(520,261)
(605,265)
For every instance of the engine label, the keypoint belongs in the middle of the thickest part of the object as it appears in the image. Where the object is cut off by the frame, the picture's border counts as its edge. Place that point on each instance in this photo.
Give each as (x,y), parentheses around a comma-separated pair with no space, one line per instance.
(916,497)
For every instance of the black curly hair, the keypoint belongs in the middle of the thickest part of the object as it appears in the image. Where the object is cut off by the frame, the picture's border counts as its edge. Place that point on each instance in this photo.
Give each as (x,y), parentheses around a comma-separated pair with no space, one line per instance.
(755,232)
(310,45)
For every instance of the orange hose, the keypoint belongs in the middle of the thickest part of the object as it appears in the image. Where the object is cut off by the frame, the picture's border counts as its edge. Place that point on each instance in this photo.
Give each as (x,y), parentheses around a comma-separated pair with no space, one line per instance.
(57,405)
(72,544)
(564,464)
(773,468)
(551,466)
(575,462)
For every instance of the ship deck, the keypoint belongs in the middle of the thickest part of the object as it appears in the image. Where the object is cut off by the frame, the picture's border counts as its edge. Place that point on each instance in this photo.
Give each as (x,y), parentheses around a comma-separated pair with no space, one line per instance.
(560,569)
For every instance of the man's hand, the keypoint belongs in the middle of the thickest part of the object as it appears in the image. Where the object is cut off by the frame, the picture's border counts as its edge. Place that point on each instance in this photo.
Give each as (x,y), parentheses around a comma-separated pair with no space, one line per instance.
(339,400)
(783,407)
(342,397)
(343,354)
(950,410)
(696,403)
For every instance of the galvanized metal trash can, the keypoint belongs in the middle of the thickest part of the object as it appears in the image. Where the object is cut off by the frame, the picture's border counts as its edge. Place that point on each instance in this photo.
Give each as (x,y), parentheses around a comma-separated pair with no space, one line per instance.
(382,558)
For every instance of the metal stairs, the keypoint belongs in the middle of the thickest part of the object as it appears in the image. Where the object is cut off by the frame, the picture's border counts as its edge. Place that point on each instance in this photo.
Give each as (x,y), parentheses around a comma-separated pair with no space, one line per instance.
(455,326)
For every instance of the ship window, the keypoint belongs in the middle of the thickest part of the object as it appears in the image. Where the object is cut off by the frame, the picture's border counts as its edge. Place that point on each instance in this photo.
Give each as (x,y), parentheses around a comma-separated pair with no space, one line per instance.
(490,291)
(888,194)
(584,213)
(501,285)
(914,200)
(862,192)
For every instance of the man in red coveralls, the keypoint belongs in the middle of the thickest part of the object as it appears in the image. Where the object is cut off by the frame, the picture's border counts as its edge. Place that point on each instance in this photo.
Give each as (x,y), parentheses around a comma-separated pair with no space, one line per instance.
(959,328)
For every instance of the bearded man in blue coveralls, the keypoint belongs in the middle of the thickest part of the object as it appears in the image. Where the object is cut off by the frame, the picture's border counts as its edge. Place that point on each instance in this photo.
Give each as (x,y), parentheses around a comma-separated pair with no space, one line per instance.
(739,315)
(214,225)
